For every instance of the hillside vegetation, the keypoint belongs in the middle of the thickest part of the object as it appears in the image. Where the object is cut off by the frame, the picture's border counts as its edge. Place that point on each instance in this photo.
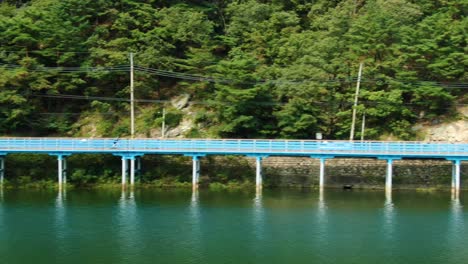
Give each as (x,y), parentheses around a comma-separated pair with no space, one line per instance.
(251,69)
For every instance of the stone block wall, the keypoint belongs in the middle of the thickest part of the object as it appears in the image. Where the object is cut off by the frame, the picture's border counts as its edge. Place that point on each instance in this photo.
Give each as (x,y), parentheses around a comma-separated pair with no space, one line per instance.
(304,172)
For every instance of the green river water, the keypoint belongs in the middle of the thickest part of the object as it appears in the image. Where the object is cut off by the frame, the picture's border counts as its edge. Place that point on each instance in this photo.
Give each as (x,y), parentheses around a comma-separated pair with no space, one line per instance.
(274,226)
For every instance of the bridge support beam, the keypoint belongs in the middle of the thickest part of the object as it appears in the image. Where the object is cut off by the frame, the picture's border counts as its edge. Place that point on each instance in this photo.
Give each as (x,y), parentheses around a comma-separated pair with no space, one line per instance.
(195,171)
(2,169)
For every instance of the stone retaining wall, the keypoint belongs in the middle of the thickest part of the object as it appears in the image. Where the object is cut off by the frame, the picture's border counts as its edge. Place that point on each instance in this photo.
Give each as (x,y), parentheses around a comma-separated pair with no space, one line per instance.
(298,171)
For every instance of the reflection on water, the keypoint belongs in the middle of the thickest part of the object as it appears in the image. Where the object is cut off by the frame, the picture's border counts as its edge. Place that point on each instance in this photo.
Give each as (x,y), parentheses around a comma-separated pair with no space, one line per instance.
(194,200)
(321,208)
(60,227)
(258,215)
(389,216)
(195,220)
(456,230)
(322,222)
(128,225)
(326,226)
(60,211)
(194,209)
(456,218)
(1,209)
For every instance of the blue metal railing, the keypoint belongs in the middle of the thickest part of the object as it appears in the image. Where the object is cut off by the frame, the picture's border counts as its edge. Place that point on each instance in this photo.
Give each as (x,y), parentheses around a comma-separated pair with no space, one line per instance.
(233,146)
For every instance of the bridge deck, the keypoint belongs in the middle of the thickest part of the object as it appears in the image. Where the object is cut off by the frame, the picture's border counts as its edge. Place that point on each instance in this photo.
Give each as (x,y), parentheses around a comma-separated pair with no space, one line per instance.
(253,147)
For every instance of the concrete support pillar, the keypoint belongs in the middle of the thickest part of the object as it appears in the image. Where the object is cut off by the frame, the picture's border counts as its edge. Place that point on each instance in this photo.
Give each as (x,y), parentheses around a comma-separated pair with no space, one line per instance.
(124,171)
(456,175)
(388,179)
(60,170)
(64,168)
(258,174)
(138,167)
(2,169)
(132,171)
(195,171)
(322,173)
(453,174)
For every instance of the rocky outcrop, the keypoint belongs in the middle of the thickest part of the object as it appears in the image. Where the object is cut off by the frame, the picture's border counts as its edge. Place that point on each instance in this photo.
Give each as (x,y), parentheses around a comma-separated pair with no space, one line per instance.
(456,131)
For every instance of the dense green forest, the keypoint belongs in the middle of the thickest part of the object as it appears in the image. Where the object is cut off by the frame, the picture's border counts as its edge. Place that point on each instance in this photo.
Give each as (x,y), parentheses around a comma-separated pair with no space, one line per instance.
(256,69)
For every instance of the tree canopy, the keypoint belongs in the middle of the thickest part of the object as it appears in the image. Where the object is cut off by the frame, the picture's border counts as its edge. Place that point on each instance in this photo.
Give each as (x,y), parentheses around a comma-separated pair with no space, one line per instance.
(258,69)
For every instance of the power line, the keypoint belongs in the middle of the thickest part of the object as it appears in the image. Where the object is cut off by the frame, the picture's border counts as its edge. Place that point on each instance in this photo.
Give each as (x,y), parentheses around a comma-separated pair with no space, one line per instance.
(208,102)
(122,68)
(194,77)
(60,51)
(72,113)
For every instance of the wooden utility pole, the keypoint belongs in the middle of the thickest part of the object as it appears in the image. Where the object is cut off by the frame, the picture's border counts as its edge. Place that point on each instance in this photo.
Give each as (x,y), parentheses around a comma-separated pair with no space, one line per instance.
(163,128)
(363,127)
(132,101)
(353,122)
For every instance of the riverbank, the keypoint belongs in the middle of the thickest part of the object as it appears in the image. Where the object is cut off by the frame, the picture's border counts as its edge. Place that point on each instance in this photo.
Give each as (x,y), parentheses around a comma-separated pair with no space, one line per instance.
(230,186)
(225,172)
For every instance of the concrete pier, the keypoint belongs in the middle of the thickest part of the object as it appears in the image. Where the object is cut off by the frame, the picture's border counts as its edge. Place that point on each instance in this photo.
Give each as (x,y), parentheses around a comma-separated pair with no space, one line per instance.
(322,159)
(124,170)
(258,173)
(62,170)
(195,171)
(138,167)
(453,175)
(2,169)
(389,175)
(132,171)
(322,173)
(388,178)
(456,175)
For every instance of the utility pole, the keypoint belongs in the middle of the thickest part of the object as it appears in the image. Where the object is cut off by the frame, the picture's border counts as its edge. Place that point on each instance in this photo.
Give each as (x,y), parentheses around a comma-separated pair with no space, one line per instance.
(353,123)
(363,126)
(132,101)
(163,128)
